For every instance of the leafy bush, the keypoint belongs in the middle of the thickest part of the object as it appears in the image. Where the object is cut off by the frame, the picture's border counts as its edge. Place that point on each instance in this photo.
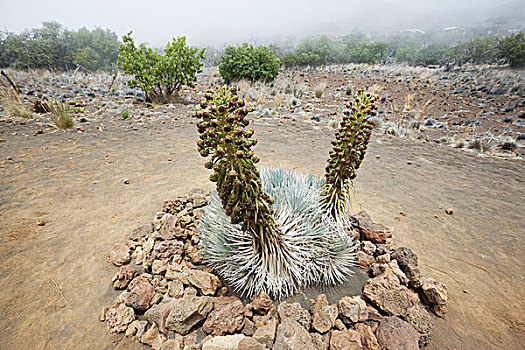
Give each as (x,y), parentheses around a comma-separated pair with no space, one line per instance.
(250,63)
(160,76)
(365,52)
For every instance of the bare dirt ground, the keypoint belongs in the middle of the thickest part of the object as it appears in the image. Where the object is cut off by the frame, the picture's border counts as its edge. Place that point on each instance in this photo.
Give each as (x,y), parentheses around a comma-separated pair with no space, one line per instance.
(64,204)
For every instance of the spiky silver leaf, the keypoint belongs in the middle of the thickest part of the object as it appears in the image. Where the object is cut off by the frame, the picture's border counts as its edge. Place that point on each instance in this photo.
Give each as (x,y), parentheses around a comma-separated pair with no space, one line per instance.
(316,248)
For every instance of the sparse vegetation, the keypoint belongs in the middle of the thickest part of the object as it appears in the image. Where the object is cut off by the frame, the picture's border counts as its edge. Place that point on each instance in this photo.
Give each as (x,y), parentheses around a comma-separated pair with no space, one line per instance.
(160,76)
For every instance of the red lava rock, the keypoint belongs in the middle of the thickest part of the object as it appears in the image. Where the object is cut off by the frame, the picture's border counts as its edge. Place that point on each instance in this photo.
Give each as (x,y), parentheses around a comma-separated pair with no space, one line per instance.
(124,275)
(395,334)
(345,340)
(226,317)
(370,231)
(368,339)
(262,303)
(364,261)
(140,296)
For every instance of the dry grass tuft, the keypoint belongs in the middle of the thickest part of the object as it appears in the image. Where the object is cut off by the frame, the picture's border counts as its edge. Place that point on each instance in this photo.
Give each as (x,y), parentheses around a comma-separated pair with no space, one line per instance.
(13,105)
(59,114)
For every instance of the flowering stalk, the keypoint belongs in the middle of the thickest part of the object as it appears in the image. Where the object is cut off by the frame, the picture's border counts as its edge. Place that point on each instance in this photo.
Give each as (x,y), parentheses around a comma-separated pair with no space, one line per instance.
(224,137)
(349,148)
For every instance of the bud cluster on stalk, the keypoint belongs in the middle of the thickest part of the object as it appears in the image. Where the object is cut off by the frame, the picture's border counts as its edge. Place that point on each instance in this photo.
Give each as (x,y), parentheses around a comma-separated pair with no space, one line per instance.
(226,140)
(349,148)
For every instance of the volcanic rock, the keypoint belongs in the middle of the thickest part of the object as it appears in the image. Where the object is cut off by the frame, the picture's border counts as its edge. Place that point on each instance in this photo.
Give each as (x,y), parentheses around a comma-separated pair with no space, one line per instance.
(140,296)
(262,303)
(119,317)
(124,275)
(187,312)
(228,342)
(422,322)
(227,316)
(352,309)
(385,292)
(395,334)
(433,292)
(120,255)
(405,256)
(323,315)
(294,311)
(250,344)
(345,340)
(266,334)
(370,231)
(368,339)
(292,336)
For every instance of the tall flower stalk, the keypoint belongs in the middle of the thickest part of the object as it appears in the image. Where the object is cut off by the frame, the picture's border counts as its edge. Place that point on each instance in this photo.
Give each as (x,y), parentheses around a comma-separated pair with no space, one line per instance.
(349,148)
(225,138)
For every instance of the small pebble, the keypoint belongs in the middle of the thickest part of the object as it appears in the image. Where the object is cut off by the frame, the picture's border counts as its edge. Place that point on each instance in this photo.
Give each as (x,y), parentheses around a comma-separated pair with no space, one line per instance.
(449,211)
(126,181)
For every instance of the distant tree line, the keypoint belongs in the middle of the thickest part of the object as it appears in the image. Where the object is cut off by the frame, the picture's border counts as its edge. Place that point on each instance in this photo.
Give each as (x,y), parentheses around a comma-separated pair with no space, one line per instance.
(54,47)
(489,49)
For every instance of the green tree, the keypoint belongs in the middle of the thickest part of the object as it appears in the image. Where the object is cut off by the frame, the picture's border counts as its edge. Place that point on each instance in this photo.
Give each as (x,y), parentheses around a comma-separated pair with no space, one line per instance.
(160,76)
(248,62)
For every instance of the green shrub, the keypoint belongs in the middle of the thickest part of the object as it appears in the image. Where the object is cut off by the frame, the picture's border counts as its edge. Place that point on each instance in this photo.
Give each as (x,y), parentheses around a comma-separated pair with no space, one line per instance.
(250,63)
(160,76)
(512,50)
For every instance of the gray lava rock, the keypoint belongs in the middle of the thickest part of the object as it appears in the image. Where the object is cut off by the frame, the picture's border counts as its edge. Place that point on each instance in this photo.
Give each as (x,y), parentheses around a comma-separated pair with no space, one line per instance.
(422,322)
(294,311)
(405,256)
(323,315)
(120,255)
(187,312)
(352,309)
(292,336)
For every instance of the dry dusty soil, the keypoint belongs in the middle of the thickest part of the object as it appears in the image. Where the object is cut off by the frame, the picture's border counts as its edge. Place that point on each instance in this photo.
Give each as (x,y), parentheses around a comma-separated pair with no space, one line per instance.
(64,204)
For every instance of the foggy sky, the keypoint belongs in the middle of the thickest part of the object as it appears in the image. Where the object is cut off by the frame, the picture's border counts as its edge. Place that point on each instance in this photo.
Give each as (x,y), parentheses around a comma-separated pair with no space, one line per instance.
(224,22)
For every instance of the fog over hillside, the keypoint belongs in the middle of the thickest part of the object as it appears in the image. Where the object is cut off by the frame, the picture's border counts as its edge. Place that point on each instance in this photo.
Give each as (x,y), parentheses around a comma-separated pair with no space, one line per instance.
(232,21)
